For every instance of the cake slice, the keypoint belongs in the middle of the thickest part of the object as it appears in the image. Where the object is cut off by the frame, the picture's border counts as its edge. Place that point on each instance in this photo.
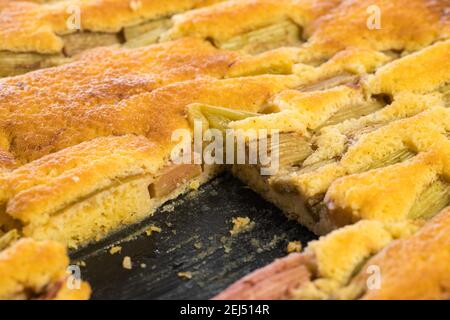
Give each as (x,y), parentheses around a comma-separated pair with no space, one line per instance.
(347,152)
(102,157)
(37,270)
(85,192)
(367,260)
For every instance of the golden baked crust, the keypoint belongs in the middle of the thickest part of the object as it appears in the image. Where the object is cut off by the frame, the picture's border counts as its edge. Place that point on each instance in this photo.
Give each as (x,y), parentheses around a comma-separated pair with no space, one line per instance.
(367,145)
(82,145)
(33,27)
(325,23)
(69,94)
(36,36)
(219,22)
(386,194)
(331,32)
(37,270)
(431,70)
(20,18)
(52,182)
(95,123)
(34,192)
(318,28)
(413,268)
(310,106)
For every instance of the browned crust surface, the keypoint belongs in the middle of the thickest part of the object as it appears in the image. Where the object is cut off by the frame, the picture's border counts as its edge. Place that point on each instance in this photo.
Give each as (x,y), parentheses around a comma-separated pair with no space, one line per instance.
(414,268)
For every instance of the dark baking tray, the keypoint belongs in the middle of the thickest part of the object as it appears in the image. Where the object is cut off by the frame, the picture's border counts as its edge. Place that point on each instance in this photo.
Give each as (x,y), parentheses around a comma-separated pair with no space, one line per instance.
(195,238)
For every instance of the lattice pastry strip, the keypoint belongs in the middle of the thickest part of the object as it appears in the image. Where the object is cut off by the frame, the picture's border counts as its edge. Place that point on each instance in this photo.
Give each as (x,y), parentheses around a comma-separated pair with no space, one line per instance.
(422,72)
(410,190)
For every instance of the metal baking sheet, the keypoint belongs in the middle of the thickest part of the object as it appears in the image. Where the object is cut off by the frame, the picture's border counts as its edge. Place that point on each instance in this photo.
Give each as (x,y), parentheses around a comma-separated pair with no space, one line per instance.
(195,238)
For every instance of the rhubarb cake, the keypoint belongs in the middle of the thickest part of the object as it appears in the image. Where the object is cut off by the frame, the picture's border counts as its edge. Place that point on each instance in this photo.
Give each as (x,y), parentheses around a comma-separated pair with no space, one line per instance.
(48,33)
(360,101)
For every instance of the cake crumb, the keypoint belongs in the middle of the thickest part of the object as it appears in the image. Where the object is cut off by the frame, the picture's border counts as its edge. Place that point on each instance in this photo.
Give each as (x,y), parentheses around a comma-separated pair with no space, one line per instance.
(185,275)
(255,243)
(227,248)
(198,245)
(294,246)
(115,249)
(149,231)
(194,185)
(126,263)
(143,266)
(240,225)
